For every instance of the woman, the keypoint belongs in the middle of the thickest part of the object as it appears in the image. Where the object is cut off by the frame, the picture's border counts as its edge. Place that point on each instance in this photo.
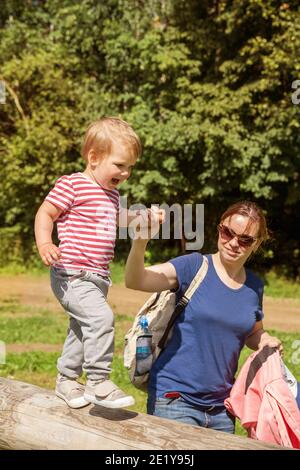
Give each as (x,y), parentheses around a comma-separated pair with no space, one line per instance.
(195,372)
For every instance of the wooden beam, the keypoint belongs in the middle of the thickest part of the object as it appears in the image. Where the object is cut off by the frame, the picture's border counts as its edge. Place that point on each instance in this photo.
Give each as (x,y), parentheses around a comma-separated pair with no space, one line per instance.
(34,418)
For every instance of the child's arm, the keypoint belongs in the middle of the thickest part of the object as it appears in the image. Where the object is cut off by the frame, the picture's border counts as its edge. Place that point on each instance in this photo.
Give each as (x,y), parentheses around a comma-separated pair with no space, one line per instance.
(43,227)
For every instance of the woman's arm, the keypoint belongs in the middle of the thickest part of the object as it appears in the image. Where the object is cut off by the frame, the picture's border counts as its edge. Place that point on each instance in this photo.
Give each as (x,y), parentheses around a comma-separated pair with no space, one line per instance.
(259,338)
(151,279)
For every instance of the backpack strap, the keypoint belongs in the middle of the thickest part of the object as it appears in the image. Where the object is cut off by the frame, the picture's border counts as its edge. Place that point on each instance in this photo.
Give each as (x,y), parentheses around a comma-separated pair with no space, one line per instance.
(200,275)
(182,303)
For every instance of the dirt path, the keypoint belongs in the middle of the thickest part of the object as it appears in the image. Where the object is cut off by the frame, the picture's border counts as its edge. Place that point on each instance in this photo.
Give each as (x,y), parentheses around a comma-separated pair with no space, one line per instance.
(17,348)
(280,314)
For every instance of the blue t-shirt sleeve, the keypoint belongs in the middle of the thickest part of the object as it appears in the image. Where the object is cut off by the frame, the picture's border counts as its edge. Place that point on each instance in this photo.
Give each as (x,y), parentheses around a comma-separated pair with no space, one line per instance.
(186,267)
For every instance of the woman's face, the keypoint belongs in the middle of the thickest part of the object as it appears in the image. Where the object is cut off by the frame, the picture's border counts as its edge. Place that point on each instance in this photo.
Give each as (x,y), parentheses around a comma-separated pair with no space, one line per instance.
(237,238)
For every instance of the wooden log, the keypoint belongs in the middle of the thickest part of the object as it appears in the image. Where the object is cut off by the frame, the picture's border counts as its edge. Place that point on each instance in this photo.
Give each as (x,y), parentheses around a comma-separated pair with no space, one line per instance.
(34,418)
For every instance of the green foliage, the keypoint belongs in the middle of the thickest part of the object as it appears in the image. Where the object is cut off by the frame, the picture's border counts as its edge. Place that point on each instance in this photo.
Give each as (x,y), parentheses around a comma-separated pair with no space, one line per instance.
(11,250)
(30,362)
(45,329)
(206,85)
(279,286)
(117,272)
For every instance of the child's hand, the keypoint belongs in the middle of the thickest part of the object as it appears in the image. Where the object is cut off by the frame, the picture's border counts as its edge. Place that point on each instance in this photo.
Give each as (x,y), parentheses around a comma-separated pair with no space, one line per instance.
(49,253)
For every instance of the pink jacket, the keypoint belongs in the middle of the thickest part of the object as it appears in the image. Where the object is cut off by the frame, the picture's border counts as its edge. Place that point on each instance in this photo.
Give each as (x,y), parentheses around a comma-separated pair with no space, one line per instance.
(263,402)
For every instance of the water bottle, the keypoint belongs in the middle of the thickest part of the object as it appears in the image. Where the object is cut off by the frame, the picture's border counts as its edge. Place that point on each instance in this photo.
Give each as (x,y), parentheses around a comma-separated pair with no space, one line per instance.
(143,349)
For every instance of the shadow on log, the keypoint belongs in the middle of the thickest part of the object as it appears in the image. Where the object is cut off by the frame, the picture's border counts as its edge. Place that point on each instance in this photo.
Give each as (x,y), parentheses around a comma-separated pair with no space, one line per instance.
(34,418)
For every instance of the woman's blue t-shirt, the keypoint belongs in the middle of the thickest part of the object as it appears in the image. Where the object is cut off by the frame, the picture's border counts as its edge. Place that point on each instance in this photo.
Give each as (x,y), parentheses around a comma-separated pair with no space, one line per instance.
(201,358)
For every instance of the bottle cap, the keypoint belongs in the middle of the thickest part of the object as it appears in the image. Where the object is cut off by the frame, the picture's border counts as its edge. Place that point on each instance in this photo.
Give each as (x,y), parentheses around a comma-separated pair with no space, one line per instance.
(144,322)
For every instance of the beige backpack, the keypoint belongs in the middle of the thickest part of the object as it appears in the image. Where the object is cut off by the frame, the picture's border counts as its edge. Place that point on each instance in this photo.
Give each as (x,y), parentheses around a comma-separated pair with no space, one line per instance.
(161,312)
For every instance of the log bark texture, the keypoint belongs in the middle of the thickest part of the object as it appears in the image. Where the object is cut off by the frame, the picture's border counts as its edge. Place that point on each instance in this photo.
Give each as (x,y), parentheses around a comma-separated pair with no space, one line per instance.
(34,418)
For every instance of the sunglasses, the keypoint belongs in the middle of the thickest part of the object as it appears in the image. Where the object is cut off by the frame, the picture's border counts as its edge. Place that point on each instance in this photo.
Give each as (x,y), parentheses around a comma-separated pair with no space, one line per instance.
(243,240)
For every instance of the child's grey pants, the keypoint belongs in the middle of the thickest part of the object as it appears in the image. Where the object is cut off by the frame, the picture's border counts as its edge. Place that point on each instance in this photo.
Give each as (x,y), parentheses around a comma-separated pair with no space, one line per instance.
(89,344)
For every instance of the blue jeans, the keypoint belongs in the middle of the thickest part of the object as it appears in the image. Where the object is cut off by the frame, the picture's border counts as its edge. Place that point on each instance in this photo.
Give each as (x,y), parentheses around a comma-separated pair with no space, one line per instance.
(180,410)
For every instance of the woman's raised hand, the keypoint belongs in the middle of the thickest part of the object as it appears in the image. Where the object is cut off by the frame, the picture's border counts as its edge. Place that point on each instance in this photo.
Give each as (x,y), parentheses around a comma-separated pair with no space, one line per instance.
(147,223)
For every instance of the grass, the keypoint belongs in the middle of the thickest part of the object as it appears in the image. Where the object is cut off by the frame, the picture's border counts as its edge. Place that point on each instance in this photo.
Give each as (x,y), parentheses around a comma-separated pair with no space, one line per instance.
(276,286)
(43,329)
(14,269)
(29,362)
(116,269)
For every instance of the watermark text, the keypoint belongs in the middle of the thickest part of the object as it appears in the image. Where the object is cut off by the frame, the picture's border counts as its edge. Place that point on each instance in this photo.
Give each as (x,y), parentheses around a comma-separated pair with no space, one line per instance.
(296,93)
(2,92)
(180,222)
(295,359)
(2,353)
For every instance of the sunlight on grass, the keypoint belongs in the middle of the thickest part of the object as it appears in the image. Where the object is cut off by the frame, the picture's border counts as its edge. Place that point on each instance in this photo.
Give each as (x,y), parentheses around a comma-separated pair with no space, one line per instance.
(276,286)
(29,362)
(117,272)
(12,269)
(39,329)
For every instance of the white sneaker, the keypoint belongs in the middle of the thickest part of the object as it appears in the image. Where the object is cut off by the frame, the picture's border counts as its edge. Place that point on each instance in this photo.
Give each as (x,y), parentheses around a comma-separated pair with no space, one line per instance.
(106,393)
(70,391)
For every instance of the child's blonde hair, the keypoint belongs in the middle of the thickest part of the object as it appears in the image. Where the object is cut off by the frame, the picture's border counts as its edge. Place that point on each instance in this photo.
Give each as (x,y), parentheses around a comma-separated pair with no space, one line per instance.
(101,134)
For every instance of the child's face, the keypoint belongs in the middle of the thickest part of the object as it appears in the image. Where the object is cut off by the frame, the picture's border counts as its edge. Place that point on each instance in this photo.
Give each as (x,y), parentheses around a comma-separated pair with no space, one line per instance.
(110,171)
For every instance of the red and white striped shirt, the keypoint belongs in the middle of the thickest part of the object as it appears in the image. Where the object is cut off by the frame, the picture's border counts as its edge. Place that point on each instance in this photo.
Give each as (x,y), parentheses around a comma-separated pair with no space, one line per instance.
(88,224)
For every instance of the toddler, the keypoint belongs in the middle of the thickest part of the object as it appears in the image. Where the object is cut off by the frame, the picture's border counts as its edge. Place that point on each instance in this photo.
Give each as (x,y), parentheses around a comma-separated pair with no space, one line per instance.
(85,206)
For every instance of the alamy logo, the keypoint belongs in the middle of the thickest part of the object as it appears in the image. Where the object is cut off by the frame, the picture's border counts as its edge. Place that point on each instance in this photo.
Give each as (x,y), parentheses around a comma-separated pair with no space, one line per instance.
(181,222)
(296,94)
(2,353)
(295,359)
(2,92)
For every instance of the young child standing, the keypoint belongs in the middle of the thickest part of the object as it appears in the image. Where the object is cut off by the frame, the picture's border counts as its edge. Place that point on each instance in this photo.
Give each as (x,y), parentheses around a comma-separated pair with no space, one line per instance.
(85,207)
